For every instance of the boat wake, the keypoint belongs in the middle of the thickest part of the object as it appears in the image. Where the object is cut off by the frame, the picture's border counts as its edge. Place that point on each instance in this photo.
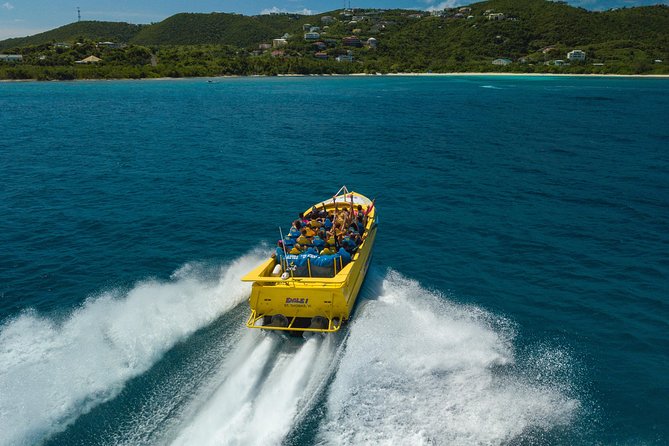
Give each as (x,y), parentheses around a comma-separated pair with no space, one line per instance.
(53,372)
(265,394)
(411,368)
(420,370)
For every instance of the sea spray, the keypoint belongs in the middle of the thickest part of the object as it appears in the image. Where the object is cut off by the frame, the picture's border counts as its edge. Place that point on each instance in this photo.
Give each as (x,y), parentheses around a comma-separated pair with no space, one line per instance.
(420,370)
(51,373)
(267,393)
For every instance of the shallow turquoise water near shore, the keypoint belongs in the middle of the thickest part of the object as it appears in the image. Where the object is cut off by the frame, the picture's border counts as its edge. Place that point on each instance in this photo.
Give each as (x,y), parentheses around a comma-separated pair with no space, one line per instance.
(518,293)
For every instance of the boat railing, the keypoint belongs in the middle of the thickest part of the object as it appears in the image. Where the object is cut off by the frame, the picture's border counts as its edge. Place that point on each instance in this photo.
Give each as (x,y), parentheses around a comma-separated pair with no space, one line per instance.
(323,281)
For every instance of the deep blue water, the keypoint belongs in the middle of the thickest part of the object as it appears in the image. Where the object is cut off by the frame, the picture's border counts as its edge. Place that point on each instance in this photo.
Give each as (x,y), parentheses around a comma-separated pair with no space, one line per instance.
(518,293)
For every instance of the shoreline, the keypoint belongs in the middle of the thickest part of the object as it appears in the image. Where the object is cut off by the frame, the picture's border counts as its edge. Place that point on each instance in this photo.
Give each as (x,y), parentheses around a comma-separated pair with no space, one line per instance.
(466,74)
(530,74)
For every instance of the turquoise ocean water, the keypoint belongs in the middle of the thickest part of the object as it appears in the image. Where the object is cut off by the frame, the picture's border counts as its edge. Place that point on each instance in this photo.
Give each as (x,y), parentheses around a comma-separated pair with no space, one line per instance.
(518,292)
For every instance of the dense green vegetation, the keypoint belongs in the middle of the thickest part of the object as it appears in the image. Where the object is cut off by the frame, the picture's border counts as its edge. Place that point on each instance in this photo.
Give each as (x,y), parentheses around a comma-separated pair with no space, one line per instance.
(533,34)
(97,31)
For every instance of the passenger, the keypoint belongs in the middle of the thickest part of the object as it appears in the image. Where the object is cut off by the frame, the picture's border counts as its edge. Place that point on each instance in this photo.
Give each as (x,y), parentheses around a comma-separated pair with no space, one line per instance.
(318,242)
(297,224)
(289,241)
(328,223)
(297,249)
(345,256)
(312,250)
(348,243)
(303,239)
(314,223)
(294,232)
(332,239)
(309,232)
(278,252)
(369,208)
(327,251)
(343,216)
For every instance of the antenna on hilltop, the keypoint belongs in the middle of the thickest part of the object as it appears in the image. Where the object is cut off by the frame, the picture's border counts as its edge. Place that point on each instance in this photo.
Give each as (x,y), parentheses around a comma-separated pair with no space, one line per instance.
(78,14)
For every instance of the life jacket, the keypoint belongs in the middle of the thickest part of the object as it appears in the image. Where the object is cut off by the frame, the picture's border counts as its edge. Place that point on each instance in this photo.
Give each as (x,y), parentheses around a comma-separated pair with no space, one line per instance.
(302,240)
(317,241)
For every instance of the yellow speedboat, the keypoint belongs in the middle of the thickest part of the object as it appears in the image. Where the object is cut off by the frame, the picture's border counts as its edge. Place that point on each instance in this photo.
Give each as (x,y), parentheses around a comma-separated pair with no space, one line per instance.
(311,292)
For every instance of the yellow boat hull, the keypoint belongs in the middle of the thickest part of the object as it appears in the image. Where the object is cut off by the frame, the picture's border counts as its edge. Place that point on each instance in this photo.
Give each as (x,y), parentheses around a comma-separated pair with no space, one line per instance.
(312,304)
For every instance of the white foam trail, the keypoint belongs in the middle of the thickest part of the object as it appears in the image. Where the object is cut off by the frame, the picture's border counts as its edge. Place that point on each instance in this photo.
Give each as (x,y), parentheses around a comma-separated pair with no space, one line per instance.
(52,373)
(273,413)
(418,370)
(249,410)
(229,400)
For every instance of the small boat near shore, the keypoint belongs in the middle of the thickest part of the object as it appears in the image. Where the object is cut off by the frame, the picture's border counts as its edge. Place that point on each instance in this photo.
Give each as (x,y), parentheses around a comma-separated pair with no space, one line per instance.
(312,290)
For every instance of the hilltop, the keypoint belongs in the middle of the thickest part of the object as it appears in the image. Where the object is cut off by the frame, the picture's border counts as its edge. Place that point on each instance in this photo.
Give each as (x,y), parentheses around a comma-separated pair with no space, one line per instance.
(518,35)
(91,30)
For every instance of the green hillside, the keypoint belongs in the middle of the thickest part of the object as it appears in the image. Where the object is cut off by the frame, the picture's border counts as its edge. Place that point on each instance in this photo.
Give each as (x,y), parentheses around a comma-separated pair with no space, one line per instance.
(533,36)
(217,28)
(625,36)
(90,30)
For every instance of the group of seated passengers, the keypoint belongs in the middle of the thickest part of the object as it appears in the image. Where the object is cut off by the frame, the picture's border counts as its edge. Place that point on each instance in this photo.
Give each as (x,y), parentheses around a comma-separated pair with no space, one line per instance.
(325,233)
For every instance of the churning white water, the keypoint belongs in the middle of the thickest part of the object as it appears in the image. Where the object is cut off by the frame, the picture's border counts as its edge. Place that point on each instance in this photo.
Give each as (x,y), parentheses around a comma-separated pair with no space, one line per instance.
(51,373)
(420,370)
(411,368)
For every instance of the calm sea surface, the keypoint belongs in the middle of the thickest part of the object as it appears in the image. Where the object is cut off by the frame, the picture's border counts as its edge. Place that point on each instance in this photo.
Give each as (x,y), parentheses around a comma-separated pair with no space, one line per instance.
(519,292)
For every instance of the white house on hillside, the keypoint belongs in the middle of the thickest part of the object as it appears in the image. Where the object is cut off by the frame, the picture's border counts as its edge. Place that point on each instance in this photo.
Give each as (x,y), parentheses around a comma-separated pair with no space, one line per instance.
(576,55)
(501,61)
(11,57)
